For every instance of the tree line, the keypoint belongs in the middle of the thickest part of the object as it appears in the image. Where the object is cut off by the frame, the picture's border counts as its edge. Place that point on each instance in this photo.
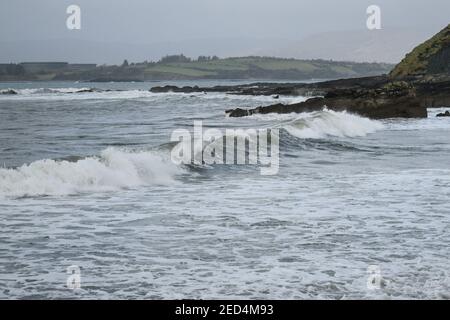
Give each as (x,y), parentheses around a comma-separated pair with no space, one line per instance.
(176,58)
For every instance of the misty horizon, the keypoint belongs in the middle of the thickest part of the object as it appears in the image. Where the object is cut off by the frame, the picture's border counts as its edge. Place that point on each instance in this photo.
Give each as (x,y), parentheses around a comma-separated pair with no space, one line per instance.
(150,30)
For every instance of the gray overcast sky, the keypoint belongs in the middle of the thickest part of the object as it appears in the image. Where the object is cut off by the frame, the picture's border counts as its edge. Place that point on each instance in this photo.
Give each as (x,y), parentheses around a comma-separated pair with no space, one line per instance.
(141,21)
(153,21)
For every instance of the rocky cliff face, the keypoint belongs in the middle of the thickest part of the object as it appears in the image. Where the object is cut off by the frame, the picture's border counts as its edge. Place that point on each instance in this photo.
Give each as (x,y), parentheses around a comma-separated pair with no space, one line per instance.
(429,58)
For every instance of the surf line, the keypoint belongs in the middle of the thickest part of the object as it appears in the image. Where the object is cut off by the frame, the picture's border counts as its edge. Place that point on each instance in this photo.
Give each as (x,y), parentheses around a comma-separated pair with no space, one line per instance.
(258,147)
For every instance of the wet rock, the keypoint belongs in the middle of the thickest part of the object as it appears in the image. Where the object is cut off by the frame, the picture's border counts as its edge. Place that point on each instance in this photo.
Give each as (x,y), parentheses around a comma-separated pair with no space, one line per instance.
(370,105)
(375,97)
(169,88)
(85,90)
(9,91)
(444,114)
(238,112)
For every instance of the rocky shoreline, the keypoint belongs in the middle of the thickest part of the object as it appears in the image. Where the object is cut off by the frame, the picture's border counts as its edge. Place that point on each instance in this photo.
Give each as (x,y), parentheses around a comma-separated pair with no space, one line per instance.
(374,97)
(420,81)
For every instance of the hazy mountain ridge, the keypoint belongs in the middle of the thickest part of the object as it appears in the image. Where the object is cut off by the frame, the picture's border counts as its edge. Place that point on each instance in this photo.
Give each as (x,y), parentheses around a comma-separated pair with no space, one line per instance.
(388,45)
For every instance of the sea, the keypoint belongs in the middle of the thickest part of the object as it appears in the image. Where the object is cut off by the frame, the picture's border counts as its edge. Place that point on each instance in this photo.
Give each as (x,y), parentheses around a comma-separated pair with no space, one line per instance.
(92,205)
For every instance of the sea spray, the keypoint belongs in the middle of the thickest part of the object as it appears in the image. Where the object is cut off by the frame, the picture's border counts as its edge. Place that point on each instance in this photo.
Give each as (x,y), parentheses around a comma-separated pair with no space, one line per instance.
(228,147)
(320,124)
(113,170)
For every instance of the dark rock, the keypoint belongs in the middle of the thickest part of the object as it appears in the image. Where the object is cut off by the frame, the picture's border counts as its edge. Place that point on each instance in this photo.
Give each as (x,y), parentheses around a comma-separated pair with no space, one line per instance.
(168,88)
(189,89)
(85,90)
(164,89)
(371,106)
(278,89)
(9,91)
(375,97)
(444,114)
(238,112)
(433,92)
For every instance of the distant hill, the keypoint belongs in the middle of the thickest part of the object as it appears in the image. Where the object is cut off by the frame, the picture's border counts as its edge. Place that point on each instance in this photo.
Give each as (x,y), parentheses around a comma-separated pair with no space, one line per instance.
(264,68)
(179,67)
(386,45)
(430,57)
(230,68)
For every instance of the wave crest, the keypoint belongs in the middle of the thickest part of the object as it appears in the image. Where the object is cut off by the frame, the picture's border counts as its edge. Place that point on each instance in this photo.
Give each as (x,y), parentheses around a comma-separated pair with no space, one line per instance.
(113,170)
(320,124)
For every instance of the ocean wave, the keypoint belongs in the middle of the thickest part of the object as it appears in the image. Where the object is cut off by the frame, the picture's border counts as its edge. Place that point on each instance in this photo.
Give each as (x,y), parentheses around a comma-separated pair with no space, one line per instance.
(322,124)
(113,170)
(203,147)
(73,94)
(319,125)
(29,91)
(86,93)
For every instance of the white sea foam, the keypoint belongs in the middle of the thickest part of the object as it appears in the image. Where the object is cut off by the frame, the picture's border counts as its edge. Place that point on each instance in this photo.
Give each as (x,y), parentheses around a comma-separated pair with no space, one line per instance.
(320,124)
(87,93)
(50,90)
(113,170)
(76,94)
(276,116)
(219,145)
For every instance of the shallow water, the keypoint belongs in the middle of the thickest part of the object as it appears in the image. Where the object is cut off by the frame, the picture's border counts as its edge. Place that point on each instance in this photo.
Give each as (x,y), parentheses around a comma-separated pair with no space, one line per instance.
(87,180)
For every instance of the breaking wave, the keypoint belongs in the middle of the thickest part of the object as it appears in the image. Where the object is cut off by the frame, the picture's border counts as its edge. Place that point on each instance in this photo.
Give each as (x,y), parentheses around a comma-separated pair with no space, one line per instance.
(46,90)
(73,94)
(321,124)
(83,93)
(113,170)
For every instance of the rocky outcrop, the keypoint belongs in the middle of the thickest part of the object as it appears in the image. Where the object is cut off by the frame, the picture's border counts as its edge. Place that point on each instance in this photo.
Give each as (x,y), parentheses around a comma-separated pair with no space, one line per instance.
(444,114)
(168,88)
(434,95)
(375,97)
(8,91)
(420,81)
(278,89)
(371,104)
(89,90)
(429,58)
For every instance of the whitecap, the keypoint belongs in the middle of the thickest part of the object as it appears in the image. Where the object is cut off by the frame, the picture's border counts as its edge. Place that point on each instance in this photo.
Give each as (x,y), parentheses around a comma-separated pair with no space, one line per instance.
(113,170)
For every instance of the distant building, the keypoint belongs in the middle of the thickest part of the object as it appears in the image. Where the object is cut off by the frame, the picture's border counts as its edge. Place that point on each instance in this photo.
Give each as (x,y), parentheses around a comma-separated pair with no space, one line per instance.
(81,66)
(35,67)
(11,69)
(3,67)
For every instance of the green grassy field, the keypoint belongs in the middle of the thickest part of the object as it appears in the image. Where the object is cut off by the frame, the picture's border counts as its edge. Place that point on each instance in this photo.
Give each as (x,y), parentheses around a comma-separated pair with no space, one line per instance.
(182,68)
(265,68)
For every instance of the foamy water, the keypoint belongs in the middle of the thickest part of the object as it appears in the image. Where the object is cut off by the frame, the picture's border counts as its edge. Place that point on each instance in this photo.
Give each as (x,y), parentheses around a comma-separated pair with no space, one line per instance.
(87,180)
(111,171)
(318,125)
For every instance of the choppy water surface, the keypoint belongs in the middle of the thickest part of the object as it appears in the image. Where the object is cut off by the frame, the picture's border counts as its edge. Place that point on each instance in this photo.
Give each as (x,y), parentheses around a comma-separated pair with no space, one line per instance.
(87,180)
